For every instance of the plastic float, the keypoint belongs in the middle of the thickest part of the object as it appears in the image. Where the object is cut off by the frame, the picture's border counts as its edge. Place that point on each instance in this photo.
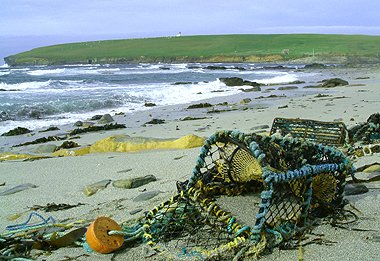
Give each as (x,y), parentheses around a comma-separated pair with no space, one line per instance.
(98,237)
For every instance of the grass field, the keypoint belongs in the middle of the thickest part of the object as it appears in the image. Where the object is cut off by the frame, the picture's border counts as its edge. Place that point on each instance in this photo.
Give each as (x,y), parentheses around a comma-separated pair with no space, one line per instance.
(200,48)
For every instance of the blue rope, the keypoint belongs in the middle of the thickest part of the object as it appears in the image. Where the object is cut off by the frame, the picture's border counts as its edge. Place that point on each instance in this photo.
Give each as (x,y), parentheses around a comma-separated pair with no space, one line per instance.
(24,225)
(190,255)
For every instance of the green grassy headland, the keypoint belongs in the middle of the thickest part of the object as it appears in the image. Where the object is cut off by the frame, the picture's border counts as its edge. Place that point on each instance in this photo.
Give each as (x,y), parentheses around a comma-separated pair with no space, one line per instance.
(203,48)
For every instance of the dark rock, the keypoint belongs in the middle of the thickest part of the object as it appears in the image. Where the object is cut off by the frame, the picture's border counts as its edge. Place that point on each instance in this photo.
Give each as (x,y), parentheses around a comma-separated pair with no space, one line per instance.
(246,100)
(78,124)
(315,66)
(270,96)
(211,67)
(164,68)
(200,105)
(150,104)
(155,121)
(16,131)
(333,82)
(181,83)
(374,118)
(284,88)
(253,89)
(297,82)
(96,118)
(355,189)
(278,67)
(232,81)
(312,86)
(236,81)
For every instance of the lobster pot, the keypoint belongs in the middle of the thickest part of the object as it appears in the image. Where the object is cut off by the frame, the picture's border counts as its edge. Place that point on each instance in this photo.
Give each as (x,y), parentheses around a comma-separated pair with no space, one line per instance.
(246,187)
(293,177)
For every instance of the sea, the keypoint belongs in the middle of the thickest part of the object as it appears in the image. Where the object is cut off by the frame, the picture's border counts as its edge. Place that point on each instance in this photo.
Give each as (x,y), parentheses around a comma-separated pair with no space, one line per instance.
(37,97)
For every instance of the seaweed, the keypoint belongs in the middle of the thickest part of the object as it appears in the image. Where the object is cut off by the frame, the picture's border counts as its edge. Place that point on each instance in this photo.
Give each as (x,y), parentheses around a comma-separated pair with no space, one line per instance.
(52,128)
(41,140)
(188,118)
(55,207)
(200,105)
(110,126)
(16,131)
(68,144)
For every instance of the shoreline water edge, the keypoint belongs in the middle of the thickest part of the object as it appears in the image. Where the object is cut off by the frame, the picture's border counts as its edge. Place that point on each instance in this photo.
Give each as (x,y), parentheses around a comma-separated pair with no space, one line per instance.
(62,179)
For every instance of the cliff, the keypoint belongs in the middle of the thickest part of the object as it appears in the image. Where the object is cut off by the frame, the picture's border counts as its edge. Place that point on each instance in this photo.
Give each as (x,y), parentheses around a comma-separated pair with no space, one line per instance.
(303,48)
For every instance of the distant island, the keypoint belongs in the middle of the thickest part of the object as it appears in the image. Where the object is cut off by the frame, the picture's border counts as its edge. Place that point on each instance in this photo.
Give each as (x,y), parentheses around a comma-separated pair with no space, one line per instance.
(257,48)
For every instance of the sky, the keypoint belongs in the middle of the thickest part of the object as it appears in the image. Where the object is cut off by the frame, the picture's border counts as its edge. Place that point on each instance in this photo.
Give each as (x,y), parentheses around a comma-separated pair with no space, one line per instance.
(27,24)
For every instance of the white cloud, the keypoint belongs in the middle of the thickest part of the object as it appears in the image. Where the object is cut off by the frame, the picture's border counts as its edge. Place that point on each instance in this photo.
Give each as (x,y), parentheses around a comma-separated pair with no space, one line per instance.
(85,17)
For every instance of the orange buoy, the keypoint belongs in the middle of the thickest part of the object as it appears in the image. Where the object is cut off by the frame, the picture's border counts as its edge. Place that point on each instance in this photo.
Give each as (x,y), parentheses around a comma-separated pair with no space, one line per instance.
(99,240)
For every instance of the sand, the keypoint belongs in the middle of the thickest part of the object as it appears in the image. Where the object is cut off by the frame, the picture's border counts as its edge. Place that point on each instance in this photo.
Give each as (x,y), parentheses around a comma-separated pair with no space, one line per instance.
(63,179)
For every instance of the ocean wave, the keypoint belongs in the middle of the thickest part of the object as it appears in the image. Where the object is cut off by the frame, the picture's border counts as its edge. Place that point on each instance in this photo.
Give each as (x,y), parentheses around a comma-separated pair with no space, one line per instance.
(168,94)
(72,71)
(82,65)
(48,71)
(24,86)
(279,79)
(41,110)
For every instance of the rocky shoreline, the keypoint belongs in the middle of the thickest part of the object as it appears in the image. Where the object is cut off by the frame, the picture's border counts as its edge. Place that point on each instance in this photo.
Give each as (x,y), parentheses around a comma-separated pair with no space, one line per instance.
(265,59)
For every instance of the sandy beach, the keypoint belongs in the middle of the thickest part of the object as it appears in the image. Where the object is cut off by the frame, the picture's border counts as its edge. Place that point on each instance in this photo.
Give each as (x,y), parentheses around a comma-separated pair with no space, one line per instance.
(63,179)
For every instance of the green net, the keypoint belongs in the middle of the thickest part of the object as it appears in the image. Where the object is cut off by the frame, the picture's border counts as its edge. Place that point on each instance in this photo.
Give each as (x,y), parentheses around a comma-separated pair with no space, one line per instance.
(247,193)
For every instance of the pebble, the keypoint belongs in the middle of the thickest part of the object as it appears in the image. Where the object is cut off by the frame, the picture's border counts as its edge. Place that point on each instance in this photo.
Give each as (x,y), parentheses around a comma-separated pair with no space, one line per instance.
(260,127)
(374,176)
(124,170)
(18,189)
(355,189)
(134,182)
(132,212)
(373,168)
(45,148)
(375,238)
(146,196)
(93,188)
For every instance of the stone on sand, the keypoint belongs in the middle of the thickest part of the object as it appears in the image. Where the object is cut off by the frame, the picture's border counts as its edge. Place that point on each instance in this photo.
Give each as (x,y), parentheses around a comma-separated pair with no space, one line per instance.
(134,182)
(106,118)
(373,168)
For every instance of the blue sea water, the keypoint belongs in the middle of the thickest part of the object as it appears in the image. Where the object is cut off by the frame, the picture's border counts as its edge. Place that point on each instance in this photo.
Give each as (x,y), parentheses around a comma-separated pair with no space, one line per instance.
(42,96)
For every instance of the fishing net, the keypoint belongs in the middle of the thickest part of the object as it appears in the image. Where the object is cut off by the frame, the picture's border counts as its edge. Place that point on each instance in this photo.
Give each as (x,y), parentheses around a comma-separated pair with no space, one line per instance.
(247,193)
